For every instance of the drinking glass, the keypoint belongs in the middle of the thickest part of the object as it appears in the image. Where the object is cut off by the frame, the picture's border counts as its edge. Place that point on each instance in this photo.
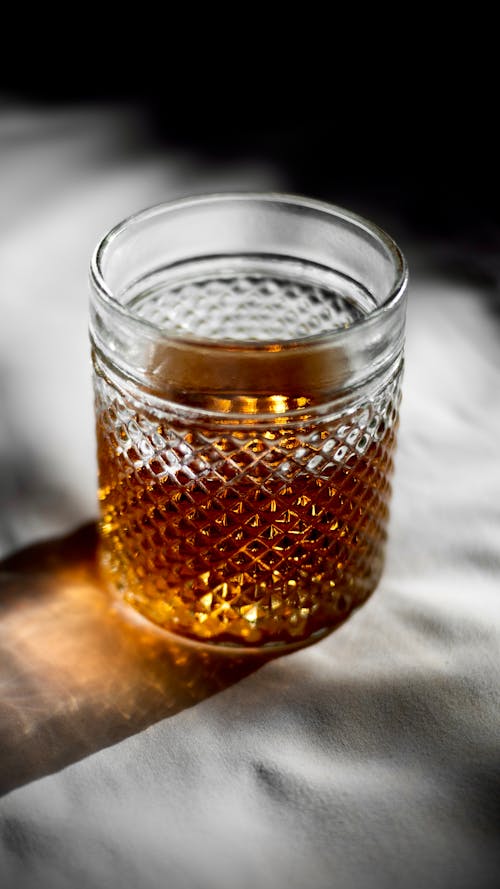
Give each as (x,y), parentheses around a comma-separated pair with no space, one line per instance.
(248,355)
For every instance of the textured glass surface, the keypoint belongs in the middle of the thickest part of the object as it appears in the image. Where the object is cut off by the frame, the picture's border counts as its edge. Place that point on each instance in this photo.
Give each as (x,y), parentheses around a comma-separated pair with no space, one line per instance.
(259,533)
(248,353)
(258,306)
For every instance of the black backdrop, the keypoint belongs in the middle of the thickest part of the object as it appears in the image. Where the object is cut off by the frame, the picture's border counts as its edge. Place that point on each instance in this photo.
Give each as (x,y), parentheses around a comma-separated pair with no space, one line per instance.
(414,145)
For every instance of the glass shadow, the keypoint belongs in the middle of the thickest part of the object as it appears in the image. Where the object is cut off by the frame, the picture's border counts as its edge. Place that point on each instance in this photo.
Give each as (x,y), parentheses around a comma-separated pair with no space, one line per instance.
(76,675)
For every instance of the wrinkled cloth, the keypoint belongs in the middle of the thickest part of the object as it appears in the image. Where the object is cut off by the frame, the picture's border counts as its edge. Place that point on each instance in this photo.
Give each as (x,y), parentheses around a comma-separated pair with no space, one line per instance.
(368,760)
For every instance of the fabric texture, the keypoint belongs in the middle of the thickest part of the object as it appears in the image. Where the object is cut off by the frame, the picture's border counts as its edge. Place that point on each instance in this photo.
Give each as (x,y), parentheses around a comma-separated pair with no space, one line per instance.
(368,760)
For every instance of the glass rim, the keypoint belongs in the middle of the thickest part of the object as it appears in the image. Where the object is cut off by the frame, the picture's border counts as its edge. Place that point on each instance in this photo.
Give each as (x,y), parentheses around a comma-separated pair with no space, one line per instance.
(392,299)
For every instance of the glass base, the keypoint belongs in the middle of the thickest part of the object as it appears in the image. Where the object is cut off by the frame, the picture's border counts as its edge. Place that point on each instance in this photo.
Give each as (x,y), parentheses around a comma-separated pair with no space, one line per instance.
(268,650)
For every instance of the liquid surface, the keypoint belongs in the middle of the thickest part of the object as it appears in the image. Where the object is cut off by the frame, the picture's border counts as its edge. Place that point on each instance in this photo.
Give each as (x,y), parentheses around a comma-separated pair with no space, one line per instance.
(222,299)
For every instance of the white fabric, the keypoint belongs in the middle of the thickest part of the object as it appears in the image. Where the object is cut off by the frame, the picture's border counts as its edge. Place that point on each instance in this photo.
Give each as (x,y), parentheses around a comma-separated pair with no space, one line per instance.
(368,760)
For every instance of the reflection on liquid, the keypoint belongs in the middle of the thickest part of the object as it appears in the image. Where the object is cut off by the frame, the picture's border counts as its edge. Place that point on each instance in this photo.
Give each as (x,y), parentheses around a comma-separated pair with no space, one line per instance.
(76,676)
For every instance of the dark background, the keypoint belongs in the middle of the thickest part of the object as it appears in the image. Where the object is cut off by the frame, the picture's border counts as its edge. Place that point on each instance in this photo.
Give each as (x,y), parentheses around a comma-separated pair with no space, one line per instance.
(414,141)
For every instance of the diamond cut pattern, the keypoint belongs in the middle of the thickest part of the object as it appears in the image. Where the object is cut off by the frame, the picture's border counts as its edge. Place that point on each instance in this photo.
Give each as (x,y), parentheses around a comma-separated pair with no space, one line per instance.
(250,535)
(250,307)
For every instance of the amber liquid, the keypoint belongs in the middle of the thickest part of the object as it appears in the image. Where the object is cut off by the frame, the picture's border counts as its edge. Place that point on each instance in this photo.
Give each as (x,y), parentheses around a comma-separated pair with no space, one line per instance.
(247,536)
